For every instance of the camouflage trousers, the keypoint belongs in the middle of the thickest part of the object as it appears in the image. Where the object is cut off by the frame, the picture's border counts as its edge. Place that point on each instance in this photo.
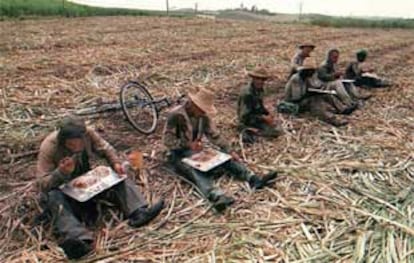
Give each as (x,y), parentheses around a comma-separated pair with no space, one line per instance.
(70,216)
(324,107)
(204,181)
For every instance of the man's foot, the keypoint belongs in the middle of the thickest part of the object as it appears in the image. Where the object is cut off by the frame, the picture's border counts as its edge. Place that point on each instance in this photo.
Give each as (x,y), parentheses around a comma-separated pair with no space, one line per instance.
(76,248)
(143,216)
(223,202)
(256,182)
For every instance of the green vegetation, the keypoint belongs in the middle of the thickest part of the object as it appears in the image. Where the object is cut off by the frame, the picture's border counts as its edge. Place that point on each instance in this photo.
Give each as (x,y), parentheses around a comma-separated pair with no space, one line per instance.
(22,8)
(329,21)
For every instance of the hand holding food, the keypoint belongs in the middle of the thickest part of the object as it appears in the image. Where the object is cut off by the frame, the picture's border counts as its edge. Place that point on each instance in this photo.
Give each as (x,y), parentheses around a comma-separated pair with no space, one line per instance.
(66,166)
(196,146)
(268,119)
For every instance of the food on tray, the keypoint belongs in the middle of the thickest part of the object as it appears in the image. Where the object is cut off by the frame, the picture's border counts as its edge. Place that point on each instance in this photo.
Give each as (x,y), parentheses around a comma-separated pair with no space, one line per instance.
(100,171)
(204,156)
(91,177)
(84,181)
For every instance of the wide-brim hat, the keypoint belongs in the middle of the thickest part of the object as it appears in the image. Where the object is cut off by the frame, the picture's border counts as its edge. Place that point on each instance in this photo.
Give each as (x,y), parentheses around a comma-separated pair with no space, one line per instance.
(302,46)
(204,99)
(259,73)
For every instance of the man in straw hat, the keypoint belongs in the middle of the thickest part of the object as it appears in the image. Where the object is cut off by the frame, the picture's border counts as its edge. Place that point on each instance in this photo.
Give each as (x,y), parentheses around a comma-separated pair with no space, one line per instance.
(66,154)
(185,127)
(300,92)
(363,75)
(254,118)
(331,79)
(304,52)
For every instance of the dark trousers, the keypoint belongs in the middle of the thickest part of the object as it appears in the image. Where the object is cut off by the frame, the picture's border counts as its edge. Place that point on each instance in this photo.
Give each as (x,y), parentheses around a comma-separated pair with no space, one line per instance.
(68,215)
(324,107)
(371,82)
(204,181)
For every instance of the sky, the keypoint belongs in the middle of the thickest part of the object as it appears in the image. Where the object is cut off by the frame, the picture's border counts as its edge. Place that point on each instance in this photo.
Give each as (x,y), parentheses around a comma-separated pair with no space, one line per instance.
(376,8)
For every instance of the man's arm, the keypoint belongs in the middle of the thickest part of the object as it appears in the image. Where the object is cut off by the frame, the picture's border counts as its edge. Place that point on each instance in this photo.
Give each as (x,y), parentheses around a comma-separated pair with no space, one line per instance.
(324,75)
(102,147)
(48,174)
(214,136)
(296,62)
(174,131)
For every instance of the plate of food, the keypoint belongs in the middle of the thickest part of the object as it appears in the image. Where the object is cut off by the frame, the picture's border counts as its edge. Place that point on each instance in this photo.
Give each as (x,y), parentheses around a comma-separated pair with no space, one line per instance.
(86,186)
(206,160)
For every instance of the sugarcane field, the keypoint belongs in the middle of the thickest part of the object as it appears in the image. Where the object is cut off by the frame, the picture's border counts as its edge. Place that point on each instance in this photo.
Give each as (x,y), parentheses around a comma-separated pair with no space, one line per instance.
(204,139)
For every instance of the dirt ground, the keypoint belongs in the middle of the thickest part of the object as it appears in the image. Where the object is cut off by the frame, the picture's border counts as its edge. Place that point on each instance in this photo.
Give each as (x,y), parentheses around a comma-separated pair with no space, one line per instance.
(343,194)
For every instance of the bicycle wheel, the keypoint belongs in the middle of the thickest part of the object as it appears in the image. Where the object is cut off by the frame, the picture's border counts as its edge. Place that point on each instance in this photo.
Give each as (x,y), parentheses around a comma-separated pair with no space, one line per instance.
(138,107)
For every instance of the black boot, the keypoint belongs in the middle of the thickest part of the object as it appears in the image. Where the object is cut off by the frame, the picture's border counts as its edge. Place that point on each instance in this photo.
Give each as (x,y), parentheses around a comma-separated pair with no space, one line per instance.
(223,202)
(248,137)
(350,109)
(256,182)
(143,216)
(76,248)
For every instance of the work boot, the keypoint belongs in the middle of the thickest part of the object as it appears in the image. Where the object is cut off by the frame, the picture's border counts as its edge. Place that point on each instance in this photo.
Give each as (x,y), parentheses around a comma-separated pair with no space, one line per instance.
(143,216)
(223,202)
(350,109)
(256,182)
(76,248)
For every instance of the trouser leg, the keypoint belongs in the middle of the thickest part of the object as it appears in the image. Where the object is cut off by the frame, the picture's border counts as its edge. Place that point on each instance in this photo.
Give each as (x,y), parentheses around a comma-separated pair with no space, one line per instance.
(204,182)
(352,90)
(325,111)
(266,130)
(341,92)
(126,196)
(238,170)
(64,220)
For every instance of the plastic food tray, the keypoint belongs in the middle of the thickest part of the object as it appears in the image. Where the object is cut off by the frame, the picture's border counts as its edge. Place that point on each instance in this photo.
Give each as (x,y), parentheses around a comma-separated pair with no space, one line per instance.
(208,165)
(102,183)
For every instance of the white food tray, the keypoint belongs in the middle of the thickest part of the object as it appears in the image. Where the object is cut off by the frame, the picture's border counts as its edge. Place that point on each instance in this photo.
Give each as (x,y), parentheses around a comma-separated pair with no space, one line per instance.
(101,183)
(218,159)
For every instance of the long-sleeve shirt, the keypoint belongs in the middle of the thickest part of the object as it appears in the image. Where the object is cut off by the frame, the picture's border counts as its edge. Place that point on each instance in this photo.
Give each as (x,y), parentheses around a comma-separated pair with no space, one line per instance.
(51,153)
(353,71)
(181,129)
(296,62)
(250,107)
(326,72)
(295,89)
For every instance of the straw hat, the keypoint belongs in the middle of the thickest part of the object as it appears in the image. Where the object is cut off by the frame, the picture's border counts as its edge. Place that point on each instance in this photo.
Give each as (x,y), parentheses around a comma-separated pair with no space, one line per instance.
(260,73)
(302,46)
(204,99)
(308,65)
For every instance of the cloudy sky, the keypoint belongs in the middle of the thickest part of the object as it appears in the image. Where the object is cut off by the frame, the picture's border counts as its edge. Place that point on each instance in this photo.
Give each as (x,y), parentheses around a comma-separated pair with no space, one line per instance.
(394,8)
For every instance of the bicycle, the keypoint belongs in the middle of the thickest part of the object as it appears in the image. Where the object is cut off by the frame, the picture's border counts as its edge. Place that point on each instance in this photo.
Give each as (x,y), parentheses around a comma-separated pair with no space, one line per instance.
(139,107)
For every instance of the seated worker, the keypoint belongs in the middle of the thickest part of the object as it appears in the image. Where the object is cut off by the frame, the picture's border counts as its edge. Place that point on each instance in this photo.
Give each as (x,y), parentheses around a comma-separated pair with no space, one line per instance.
(323,106)
(185,127)
(254,118)
(362,75)
(297,61)
(66,154)
(331,78)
